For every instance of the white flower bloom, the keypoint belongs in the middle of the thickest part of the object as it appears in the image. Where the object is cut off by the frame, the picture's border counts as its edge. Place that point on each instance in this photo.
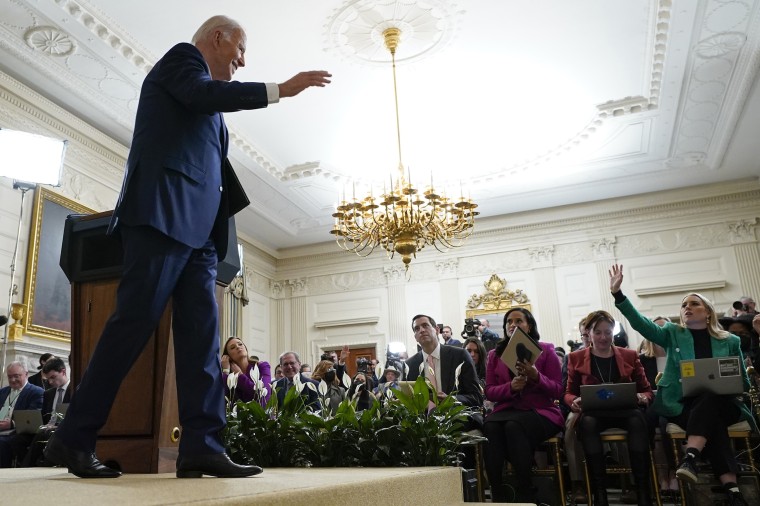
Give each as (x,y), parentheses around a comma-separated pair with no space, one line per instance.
(346,381)
(422,368)
(255,375)
(232,379)
(323,388)
(457,371)
(310,385)
(379,370)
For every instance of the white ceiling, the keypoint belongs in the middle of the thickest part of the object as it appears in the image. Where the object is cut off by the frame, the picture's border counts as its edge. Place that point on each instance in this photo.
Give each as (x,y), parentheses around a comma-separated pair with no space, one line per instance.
(523,104)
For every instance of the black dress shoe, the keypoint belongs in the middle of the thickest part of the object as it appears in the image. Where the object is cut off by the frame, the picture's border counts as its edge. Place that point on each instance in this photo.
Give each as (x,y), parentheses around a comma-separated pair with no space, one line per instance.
(217,464)
(79,463)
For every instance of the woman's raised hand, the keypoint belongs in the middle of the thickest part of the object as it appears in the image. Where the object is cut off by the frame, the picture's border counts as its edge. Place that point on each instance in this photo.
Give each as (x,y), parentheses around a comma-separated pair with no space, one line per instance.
(616,278)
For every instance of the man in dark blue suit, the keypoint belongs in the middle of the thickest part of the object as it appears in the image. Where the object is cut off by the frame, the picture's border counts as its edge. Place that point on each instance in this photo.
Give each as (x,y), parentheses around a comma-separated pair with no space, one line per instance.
(173,213)
(291,367)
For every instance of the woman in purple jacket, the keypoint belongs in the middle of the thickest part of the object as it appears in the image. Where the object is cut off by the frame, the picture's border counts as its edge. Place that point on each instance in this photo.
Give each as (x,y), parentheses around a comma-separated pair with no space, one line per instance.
(525,412)
(235,359)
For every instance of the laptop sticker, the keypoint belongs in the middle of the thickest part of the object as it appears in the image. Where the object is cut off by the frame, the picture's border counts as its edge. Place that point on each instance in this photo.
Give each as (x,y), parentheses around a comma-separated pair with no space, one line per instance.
(728,367)
(687,369)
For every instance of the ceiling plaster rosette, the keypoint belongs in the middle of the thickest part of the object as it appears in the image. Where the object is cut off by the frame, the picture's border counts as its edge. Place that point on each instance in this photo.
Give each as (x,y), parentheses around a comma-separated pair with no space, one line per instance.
(355,30)
(49,40)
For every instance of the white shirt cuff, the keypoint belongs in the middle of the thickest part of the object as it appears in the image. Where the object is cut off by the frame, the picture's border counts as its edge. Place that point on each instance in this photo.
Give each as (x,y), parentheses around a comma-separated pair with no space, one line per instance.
(273,93)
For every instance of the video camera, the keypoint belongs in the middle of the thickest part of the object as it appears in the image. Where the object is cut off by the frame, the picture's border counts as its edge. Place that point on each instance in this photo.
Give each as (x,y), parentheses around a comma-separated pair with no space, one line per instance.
(471,327)
(739,306)
(394,359)
(364,365)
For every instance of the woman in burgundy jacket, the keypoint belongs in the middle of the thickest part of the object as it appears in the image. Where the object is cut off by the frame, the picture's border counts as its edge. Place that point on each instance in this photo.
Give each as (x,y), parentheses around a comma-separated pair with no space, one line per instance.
(603,362)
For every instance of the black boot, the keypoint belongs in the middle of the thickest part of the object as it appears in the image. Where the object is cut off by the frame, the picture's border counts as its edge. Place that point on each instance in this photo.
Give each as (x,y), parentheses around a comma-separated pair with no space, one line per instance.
(640,465)
(597,477)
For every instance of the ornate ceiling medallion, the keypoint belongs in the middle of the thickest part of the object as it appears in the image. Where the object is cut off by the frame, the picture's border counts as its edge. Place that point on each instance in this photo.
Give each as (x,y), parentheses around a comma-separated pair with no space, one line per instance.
(355,30)
(49,40)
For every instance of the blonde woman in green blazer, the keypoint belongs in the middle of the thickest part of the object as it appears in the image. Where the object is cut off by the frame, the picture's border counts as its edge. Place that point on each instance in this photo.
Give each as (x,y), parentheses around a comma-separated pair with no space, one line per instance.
(705,417)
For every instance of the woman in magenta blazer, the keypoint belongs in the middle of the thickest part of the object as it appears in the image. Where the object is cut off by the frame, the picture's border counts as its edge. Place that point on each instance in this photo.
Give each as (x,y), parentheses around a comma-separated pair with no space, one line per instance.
(603,362)
(525,412)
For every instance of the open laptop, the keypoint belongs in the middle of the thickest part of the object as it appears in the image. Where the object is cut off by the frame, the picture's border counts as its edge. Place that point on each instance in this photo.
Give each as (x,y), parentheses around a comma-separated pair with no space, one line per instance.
(718,375)
(27,421)
(608,396)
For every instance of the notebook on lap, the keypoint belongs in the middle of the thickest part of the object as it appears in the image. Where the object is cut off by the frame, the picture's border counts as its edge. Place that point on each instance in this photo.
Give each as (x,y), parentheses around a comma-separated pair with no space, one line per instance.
(718,375)
(27,421)
(608,396)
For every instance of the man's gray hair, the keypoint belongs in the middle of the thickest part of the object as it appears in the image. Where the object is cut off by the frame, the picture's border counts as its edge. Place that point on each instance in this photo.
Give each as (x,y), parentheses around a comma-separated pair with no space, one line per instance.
(223,23)
(298,359)
(22,365)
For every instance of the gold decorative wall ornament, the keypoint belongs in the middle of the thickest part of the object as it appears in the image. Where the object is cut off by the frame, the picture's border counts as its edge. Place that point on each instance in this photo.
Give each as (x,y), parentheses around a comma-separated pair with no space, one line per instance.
(16,332)
(401,220)
(497,297)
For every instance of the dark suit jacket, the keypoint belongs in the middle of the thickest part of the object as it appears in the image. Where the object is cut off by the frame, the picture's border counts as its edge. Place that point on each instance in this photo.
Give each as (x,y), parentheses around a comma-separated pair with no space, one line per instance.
(176,179)
(29,398)
(36,379)
(579,372)
(48,399)
(469,392)
(311,398)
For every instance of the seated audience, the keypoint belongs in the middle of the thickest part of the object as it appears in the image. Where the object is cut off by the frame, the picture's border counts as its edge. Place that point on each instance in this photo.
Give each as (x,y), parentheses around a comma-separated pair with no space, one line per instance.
(325,371)
(361,391)
(438,363)
(235,359)
(39,378)
(19,394)
(525,413)
(54,397)
(705,417)
(573,449)
(741,326)
(391,375)
(477,351)
(605,363)
(291,365)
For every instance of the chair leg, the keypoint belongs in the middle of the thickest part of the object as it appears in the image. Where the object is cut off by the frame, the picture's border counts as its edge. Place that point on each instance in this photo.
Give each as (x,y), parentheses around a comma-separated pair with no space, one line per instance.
(677,458)
(655,482)
(558,471)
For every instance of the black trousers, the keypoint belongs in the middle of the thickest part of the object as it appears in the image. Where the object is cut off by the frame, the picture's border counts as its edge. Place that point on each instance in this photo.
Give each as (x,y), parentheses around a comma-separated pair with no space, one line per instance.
(709,415)
(632,420)
(514,435)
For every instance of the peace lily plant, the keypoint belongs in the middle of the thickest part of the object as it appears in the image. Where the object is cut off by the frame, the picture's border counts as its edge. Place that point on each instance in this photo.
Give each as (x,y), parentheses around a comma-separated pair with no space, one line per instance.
(399,429)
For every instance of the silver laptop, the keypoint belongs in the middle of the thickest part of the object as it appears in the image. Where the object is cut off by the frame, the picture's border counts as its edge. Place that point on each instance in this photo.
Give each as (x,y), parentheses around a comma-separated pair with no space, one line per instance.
(27,421)
(718,375)
(608,396)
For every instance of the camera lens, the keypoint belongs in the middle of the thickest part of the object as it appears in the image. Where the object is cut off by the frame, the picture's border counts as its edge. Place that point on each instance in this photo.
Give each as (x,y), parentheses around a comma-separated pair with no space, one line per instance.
(738,305)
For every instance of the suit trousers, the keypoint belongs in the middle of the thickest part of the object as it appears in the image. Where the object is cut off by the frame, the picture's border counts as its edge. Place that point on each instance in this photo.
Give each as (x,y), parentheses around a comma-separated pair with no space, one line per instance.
(156,267)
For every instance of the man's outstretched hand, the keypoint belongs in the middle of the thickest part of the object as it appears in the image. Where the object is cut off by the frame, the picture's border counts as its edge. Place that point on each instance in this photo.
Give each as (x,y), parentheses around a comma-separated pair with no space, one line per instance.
(303,80)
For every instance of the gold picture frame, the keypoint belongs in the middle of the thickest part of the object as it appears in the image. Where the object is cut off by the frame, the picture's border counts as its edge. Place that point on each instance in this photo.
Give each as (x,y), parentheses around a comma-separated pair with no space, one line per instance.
(494,303)
(47,291)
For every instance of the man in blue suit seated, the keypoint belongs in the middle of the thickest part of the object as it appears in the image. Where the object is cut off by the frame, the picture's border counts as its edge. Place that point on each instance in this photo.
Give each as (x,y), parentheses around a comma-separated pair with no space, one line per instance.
(291,367)
(19,394)
(173,212)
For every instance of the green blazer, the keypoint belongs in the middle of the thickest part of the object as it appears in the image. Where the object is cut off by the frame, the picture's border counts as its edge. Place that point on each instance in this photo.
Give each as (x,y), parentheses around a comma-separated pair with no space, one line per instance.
(679,345)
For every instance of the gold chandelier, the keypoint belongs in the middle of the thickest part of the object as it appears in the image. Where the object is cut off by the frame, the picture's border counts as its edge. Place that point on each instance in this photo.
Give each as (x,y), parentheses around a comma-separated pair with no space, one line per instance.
(400,220)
